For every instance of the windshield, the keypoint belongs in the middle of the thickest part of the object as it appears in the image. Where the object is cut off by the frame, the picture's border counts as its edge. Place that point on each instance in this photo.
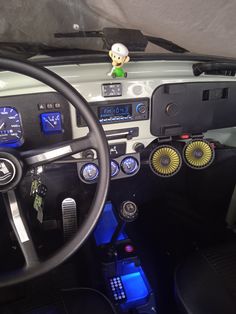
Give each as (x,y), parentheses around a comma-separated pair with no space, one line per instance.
(198,26)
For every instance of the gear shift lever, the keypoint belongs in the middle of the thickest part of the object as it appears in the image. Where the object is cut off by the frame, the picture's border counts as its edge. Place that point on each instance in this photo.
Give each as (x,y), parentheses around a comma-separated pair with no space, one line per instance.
(128,213)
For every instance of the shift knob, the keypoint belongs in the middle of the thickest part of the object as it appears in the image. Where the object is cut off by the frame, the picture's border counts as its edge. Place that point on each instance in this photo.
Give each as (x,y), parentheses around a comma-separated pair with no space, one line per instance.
(128,211)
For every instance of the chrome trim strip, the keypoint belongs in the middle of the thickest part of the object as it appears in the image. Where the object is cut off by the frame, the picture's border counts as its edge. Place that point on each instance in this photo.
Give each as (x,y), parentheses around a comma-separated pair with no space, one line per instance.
(58,152)
(16,217)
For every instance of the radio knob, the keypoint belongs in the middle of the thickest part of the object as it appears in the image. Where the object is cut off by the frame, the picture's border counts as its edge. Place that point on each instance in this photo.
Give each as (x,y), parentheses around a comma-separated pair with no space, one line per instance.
(141,108)
(138,147)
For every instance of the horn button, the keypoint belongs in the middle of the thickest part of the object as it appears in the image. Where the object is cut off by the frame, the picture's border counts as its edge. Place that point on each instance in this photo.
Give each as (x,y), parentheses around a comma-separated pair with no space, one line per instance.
(10,171)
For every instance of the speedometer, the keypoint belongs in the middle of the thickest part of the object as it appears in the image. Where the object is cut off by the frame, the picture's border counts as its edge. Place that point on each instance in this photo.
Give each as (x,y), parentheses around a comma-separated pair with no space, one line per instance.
(10,126)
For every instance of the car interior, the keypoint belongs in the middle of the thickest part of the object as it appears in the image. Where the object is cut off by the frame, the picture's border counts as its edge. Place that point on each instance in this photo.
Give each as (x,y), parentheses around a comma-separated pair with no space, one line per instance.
(117,175)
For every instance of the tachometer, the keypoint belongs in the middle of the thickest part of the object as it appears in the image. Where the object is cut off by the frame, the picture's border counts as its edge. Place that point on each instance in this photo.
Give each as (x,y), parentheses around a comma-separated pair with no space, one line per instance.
(10,126)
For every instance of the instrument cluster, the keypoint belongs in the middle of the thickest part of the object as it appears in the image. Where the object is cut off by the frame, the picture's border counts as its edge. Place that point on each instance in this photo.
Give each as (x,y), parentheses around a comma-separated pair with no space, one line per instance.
(34,120)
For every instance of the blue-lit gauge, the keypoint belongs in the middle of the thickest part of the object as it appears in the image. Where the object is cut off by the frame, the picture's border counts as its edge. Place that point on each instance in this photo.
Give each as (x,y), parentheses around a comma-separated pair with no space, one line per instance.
(129,165)
(114,168)
(90,172)
(51,122)
(11,132)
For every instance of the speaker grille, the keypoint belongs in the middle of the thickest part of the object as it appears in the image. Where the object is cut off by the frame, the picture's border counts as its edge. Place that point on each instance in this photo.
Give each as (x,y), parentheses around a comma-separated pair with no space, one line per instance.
(198,154)
(165,161)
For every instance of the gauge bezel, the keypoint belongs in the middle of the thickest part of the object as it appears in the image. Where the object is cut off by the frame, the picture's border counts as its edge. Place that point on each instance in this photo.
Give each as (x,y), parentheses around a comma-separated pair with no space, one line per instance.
(82,169)
(136,167)
(117,169)
(19,141)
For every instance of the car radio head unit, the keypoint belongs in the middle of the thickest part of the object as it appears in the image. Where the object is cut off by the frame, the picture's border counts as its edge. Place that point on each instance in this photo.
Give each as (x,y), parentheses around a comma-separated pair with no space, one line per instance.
(118,111)
(115,111)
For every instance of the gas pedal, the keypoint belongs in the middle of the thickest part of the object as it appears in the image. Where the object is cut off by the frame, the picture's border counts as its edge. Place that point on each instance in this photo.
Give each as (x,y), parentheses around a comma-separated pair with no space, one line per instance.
(69,218)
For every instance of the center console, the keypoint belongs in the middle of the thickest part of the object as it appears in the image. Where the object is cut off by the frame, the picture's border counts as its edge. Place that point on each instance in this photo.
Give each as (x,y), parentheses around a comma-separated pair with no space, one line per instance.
(125,279)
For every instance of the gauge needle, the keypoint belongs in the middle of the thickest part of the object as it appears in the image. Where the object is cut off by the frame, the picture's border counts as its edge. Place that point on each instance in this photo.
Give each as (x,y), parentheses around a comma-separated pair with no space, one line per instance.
(2,125)
(49,123)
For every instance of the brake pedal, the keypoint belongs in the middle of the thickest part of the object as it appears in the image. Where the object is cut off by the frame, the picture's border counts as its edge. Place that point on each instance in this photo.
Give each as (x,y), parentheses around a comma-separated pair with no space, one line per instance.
(69,217)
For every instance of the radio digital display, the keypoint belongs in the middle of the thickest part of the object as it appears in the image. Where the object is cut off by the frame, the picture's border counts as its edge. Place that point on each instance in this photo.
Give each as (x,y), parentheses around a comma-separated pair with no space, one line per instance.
(115,111)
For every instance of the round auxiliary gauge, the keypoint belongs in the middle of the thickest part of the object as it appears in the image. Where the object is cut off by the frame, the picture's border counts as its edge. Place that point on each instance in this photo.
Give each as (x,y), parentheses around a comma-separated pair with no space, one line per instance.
(89,172)
(114,168)
(129,165)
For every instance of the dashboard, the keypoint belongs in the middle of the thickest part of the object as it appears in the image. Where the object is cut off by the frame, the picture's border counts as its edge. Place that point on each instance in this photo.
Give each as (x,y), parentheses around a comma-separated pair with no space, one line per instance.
(158,100)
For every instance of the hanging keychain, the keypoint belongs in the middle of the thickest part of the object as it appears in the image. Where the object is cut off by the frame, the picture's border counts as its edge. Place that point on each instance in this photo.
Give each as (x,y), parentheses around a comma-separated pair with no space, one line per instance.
(38,191)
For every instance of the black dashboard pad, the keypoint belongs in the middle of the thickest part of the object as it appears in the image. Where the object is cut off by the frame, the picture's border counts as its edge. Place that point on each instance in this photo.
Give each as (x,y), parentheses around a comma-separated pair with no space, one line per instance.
(193,108)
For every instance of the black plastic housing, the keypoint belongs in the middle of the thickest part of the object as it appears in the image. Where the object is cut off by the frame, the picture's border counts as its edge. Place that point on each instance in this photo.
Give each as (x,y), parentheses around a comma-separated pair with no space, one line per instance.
(193,108)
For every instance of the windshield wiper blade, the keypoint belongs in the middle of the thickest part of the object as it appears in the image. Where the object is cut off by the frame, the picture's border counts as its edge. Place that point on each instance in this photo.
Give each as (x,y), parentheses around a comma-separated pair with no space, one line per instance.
(27,50)
(134,39)
(80,34)
(166,44)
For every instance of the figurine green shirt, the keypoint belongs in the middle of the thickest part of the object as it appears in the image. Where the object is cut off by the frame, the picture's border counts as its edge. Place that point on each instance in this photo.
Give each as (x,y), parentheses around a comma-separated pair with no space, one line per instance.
(118,72)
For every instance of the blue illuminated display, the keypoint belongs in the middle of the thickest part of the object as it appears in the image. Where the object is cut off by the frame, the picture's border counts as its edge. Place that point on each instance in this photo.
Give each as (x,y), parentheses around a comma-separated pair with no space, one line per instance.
(11,132)
(135,287)
(109,112)
(51,122)
(106,226)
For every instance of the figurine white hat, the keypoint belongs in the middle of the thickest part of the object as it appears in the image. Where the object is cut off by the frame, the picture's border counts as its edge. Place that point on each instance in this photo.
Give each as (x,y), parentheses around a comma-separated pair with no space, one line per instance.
(120,50)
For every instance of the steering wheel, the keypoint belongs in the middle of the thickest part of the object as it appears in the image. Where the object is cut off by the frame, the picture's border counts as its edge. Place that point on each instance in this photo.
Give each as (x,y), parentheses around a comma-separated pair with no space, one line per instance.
(18,163)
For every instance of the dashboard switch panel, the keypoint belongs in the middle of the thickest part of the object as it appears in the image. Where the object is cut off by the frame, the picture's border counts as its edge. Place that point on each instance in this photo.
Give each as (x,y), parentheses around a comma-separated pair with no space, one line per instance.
(111,90)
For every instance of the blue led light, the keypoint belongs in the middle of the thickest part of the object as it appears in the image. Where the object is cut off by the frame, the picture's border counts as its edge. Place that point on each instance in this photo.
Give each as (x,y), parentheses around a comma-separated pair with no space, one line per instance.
(106,226)
(51,122)
(135,288)
(12,145)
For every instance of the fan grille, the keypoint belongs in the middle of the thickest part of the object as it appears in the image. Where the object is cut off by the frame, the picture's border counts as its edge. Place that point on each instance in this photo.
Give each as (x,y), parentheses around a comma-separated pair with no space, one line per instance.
(198,154)
(165,161)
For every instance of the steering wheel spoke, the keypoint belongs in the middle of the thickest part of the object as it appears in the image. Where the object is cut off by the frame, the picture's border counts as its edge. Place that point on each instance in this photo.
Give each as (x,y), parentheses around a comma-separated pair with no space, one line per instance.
(20,228)
(53,153)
